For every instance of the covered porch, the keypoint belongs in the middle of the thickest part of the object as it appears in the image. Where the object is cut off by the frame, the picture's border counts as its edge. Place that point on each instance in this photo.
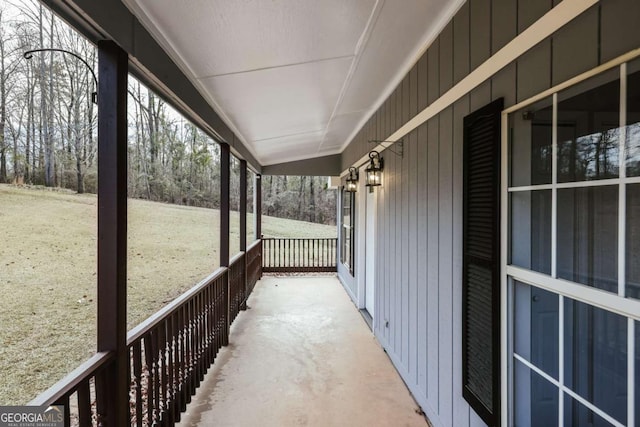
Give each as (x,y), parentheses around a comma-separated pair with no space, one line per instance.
(442,247)
(301,354)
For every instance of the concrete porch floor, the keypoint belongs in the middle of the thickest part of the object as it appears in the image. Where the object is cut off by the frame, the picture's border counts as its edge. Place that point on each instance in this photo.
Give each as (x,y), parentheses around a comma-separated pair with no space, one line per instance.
(302,356)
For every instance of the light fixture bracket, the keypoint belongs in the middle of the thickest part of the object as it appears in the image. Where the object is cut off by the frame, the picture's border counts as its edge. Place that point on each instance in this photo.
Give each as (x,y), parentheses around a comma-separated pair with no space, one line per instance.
(94,95)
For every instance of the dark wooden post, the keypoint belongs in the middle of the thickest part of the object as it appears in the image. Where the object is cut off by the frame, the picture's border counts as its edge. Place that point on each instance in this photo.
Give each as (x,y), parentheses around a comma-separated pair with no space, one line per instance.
(257,209)
(243,205)
(243,225)
(257,215)
(225,182)
(112,384)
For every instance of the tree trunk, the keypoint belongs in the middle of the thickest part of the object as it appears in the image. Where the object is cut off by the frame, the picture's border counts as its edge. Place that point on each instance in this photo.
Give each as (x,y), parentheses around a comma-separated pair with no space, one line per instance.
(312,200)
(301,196)
(27,170)
(45,139)
(3,114)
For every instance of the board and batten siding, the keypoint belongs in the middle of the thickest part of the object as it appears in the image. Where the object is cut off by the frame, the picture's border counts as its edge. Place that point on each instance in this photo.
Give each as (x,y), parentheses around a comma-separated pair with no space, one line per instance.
(419,230)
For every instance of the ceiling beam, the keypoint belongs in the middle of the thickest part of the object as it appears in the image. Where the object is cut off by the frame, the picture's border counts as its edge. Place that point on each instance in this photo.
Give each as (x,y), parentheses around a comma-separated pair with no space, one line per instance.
(318,166)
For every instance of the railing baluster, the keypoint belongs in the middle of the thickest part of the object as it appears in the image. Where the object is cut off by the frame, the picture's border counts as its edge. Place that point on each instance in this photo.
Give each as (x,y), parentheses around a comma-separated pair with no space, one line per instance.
(84,404)
(170,393)
(182,315)
(162,365)
(198,340)
(189,351)
(156,376)
(218,316)
(327,243)
(64,402)
(148,355)
(137,372)
(210,324)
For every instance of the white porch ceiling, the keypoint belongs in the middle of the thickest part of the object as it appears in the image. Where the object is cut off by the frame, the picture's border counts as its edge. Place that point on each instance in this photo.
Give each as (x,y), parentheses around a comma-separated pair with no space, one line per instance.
(294,79)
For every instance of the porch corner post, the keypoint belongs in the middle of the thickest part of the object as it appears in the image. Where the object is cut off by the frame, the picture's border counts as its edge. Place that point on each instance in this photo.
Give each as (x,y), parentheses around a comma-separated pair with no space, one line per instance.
(257,188)
(257,217)
(225,182)
(243,227)
(112,385)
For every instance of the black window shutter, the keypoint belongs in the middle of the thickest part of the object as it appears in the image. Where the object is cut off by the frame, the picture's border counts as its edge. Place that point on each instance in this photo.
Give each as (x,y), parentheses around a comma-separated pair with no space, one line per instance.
(481,263)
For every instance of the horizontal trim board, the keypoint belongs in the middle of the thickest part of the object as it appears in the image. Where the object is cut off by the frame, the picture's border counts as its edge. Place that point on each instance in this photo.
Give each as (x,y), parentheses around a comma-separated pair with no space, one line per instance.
(608,301)
(544,27)
(577,184)
(575,80)
(318,166)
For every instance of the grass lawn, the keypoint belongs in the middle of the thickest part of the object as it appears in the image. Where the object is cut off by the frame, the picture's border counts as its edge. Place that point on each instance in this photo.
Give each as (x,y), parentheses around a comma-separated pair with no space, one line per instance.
(48,275)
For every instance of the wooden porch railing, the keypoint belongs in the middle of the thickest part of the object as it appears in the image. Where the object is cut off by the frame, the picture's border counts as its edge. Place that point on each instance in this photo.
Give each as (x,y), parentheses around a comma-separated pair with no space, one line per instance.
(286,255)
(169,353)
(254,265)
(237,286)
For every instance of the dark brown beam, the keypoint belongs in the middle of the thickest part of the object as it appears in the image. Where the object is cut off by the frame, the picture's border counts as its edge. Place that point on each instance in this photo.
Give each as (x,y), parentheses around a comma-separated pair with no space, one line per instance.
(243,205)
(112,385)
(243,223)
(225,182)
(225,175)
(257,209)
(317,166)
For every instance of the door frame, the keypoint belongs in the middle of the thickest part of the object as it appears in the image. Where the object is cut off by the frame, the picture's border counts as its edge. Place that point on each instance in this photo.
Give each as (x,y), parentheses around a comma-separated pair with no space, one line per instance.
(362,235)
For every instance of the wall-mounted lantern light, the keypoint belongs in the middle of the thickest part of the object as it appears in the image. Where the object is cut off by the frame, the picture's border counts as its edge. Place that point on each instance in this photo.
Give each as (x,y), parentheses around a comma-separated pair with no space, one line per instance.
(352,180)
(374,170)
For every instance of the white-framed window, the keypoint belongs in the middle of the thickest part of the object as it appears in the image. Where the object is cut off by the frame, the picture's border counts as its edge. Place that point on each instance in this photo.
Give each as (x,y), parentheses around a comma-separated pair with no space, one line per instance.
(571,262)
(348,229)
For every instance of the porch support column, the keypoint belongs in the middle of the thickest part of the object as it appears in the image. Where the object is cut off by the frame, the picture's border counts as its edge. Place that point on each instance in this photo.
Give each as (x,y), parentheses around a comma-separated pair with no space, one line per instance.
(243,224)
(257,215)
(257,209)
(112,385)
(225,175)
(243,205)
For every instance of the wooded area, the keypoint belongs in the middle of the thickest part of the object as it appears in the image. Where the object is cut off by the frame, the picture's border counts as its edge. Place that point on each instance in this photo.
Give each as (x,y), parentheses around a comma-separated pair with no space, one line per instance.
(48,129)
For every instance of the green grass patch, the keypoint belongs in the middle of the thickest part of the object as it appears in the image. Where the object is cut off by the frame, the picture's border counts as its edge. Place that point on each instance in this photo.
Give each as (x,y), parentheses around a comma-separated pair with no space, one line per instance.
(48,274)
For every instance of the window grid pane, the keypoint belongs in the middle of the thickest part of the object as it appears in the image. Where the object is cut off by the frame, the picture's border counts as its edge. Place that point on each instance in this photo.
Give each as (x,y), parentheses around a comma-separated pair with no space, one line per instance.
(590,217)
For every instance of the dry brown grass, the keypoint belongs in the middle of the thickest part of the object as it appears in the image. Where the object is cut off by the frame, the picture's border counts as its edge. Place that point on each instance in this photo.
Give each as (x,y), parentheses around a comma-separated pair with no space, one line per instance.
(48,275)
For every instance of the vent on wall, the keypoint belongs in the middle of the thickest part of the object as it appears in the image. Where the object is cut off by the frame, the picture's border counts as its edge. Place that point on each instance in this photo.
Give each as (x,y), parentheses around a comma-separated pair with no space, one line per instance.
(481,263)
